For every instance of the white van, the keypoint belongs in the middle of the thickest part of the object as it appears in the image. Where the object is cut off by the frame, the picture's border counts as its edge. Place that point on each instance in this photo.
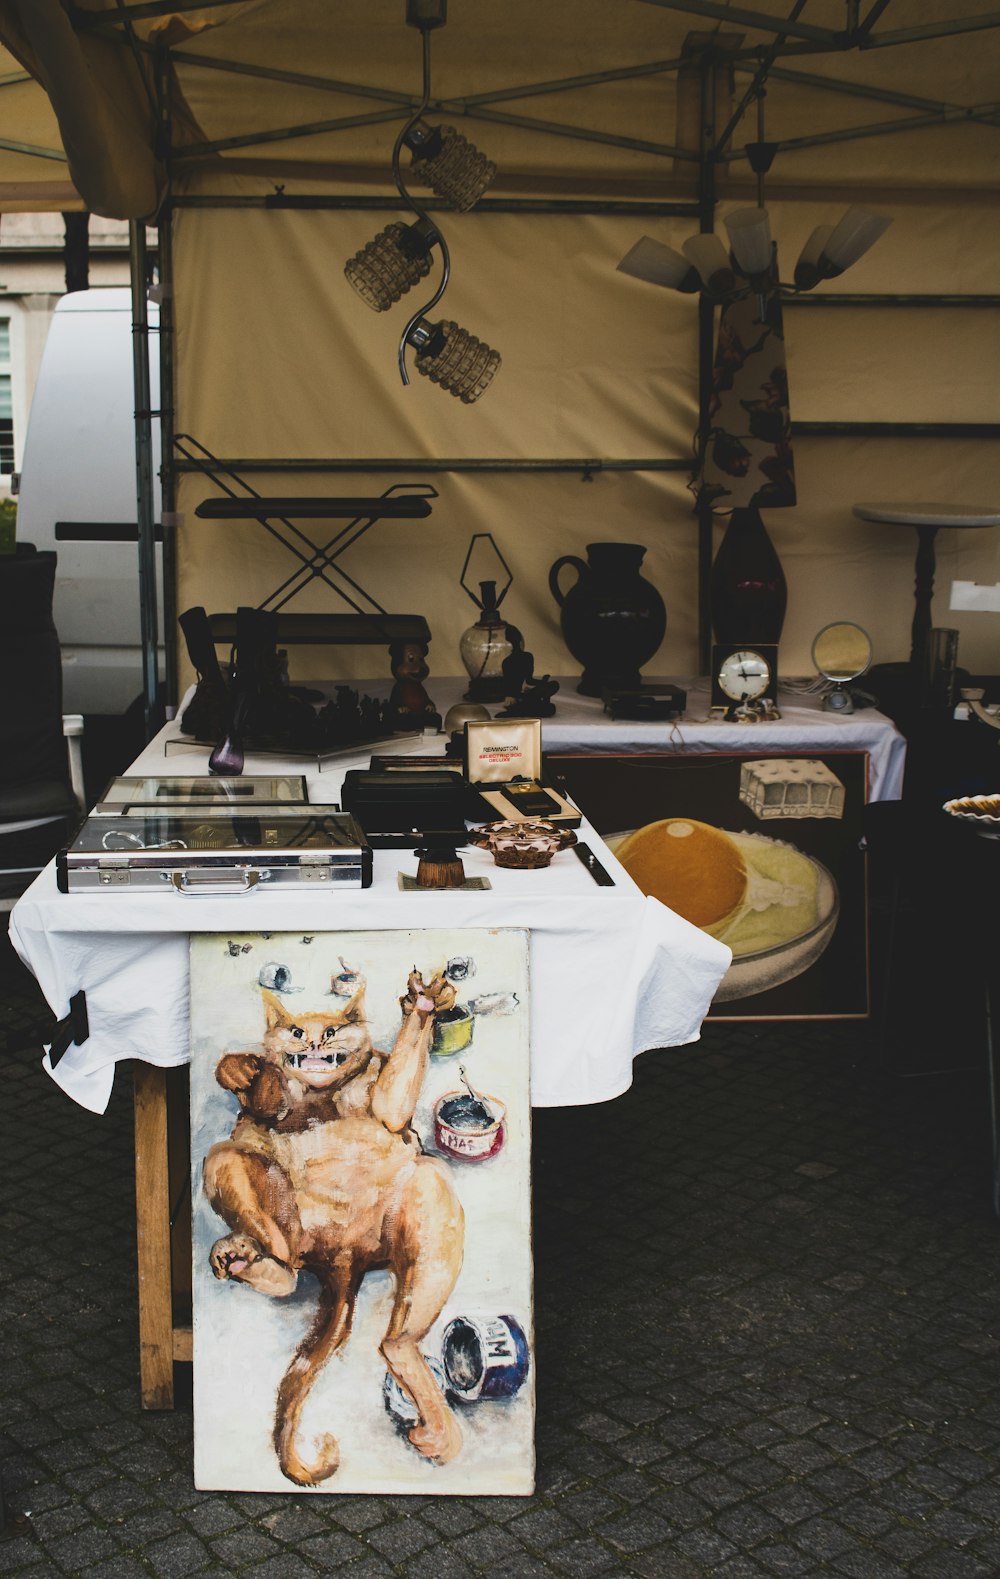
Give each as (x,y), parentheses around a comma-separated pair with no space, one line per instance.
(77,494)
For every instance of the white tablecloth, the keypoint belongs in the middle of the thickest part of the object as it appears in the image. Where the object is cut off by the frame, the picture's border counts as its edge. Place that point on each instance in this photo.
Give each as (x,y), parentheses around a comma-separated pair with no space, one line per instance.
(580,723)
(614,973)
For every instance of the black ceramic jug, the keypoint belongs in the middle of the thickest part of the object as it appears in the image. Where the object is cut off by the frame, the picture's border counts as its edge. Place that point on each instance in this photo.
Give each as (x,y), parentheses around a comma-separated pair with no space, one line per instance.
(613,620)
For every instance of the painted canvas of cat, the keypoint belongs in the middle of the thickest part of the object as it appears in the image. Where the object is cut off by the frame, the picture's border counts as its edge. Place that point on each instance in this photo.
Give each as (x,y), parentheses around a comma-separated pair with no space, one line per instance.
(324,1173)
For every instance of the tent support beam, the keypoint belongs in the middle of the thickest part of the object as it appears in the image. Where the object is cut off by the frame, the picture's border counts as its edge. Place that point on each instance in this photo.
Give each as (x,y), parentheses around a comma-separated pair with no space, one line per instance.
(861,30)
(144,476)
(587,466)
(196,151)
(984,115)
(896,430)
(295,79)
(86,20)
(282,134)
(853,90)
(897,299)
(706,361)
(167,348)
(486,205)
(736,16)
(33,150)
(932,30)
(355,90)
(756,89)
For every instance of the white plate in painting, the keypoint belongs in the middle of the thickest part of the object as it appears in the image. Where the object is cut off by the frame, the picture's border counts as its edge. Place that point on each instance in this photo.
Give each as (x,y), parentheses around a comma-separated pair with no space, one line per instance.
(981,813)
(759,971)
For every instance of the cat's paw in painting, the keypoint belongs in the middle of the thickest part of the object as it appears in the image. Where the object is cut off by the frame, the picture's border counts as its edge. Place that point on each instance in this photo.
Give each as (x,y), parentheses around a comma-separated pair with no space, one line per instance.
(240,1259)
(432,997)
(237,1071)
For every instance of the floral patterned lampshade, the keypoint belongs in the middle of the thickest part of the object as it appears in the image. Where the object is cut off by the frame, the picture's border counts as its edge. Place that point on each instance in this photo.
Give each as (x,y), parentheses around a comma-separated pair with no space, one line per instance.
(748,454)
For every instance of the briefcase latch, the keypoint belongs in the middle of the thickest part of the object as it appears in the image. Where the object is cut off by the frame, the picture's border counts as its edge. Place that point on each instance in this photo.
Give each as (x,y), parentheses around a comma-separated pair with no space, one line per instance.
(110,874)
(315,871)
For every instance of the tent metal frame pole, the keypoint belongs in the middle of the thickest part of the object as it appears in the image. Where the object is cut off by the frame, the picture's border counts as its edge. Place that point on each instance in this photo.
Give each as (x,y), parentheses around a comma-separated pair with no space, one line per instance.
(195,151)
(167,349)
(876,299)
(981,114)
(652,68)
(850,90)
(588,468)
(737,16)
(932,30)
(897,430)
(706,359)
(168,475)
(496,205)
(864,27)
(755,92)
(90,20)
(144,475)
(455,106)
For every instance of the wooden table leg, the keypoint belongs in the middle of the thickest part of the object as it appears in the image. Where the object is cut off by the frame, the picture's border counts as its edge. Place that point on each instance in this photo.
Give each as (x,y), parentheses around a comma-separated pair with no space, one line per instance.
(152,1219)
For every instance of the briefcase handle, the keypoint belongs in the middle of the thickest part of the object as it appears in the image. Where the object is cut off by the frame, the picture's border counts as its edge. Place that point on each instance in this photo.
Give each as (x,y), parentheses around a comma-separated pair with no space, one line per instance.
(192,883)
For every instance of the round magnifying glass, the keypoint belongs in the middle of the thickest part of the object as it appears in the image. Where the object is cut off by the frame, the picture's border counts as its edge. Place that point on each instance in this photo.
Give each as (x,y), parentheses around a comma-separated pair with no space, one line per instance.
(842,652)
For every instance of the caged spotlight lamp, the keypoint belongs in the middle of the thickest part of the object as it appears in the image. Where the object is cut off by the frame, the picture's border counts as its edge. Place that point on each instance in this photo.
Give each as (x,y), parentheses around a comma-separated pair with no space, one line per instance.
(400,256)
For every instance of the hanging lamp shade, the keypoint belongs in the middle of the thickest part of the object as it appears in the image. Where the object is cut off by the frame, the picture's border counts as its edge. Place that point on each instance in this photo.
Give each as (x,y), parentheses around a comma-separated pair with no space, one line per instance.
(452,357)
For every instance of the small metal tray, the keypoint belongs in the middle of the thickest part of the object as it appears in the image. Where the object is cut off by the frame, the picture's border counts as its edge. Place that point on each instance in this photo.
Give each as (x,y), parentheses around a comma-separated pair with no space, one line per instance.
(166,792)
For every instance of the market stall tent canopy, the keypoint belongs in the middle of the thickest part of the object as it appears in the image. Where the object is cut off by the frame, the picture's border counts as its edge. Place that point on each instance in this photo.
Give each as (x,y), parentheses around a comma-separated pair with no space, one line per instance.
(607,119)
(586,95)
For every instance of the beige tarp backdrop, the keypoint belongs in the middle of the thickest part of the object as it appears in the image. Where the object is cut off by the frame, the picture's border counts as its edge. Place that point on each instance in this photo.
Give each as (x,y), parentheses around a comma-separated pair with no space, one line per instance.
(595,365)
(277,357)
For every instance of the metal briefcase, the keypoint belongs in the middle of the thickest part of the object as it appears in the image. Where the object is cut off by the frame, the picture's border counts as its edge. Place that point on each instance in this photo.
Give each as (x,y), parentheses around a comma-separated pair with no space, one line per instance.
(185,853)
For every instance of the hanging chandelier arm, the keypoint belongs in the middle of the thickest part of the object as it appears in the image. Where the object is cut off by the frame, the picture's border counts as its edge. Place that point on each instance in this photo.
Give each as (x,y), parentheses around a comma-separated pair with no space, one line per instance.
(442,287)
(757,83)
(408,126)
(425,34)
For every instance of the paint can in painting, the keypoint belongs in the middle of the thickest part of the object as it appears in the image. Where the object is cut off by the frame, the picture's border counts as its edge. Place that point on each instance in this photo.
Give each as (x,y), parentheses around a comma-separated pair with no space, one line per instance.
(452,1031)
(399,1404)
(484,1357)
(469,1128)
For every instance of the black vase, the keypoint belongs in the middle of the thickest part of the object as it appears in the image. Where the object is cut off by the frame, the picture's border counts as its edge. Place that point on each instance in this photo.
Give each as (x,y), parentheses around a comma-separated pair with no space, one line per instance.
(613,620)
(748,588)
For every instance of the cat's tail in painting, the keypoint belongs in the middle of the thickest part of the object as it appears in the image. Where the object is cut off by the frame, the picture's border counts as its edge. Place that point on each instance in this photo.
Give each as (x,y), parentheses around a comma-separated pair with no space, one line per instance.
(329,1331)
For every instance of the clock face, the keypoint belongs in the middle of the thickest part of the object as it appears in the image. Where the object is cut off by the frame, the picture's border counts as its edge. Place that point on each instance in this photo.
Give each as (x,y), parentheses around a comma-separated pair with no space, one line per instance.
(744,675)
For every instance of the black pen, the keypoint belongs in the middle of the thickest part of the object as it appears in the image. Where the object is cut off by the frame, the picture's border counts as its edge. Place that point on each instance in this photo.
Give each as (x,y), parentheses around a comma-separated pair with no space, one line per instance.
(584,853)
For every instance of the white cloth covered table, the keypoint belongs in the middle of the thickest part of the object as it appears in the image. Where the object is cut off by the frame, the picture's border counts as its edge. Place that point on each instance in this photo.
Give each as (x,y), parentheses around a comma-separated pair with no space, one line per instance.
(657,973)
(613,972)
(581,724)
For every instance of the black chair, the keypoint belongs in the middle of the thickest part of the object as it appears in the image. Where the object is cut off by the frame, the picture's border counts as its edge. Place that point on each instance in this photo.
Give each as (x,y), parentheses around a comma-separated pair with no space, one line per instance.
(41,776)
(934,919)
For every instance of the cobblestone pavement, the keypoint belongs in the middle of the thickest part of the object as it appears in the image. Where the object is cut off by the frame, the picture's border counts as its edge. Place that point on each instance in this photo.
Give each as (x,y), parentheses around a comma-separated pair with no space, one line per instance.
(768,1339)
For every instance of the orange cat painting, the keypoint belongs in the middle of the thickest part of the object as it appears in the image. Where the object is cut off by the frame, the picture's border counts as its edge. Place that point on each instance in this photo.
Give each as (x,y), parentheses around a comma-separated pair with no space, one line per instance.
(324,1172)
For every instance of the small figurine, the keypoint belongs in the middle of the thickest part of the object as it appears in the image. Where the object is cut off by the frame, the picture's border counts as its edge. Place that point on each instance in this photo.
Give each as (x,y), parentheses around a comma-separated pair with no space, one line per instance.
(409,705)
(526,696)
(518,666)
(535,700)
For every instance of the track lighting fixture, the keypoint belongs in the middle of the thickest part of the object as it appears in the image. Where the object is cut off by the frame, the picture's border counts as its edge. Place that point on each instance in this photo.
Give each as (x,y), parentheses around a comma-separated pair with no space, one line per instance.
(449,164)
(452,357)
(385,269)
(399,257)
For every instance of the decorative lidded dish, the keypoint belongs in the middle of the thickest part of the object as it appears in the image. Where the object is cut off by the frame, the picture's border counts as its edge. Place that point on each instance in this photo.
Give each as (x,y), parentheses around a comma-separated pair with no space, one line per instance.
(523,845)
